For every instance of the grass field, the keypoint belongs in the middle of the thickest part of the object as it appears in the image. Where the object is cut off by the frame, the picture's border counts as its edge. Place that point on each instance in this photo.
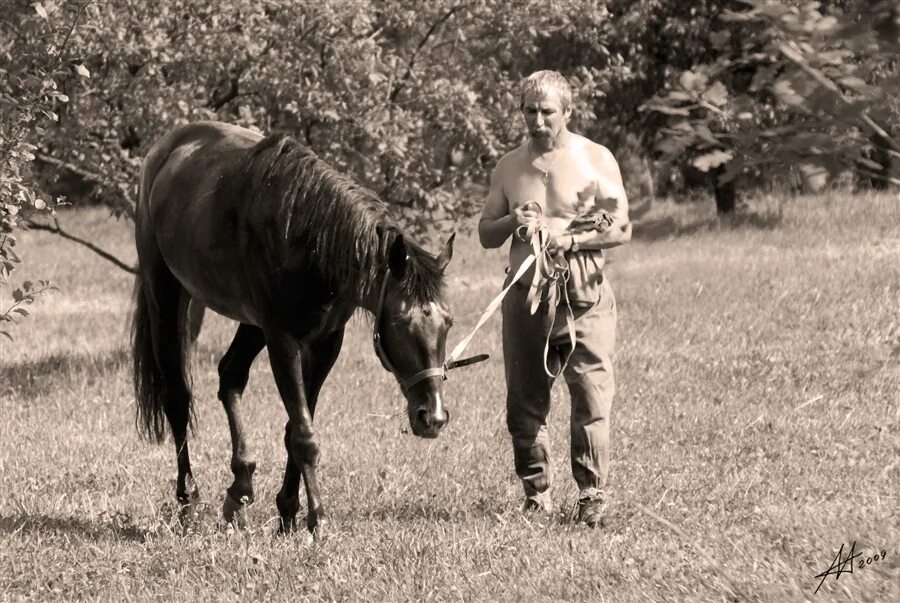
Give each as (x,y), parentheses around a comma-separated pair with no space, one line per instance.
(756,429)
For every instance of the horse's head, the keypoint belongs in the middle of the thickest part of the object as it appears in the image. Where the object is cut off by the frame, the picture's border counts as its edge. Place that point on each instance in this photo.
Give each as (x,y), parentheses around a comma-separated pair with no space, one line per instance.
(411,324)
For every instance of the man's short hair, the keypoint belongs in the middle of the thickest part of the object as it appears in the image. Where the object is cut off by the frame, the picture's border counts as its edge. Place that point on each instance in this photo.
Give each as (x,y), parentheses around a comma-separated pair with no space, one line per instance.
(542,83)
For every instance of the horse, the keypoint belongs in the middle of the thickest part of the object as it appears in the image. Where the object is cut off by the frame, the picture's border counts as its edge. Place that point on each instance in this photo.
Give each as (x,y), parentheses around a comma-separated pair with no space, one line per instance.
(261,230)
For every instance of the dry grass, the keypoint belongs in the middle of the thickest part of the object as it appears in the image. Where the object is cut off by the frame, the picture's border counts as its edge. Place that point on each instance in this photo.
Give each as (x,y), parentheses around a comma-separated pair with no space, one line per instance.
(756,429)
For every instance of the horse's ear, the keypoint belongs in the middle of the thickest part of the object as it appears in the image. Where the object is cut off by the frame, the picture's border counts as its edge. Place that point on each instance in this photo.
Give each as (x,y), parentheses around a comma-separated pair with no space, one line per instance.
(446,253)
(397,257)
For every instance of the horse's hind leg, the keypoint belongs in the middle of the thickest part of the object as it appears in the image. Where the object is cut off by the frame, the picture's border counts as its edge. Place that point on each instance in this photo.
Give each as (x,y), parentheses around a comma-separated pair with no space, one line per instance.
(234,371)
(317,359)
(167,325)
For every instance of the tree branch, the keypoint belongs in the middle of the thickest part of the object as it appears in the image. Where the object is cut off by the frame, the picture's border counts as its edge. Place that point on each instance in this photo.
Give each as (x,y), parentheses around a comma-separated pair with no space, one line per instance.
(220,100)
(56,229)
(86,174)
(877,176)
(796,58)
(412,60)
(77,18)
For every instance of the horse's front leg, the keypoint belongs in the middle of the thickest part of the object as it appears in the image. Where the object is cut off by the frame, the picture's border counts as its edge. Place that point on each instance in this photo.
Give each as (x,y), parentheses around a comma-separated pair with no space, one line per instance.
(317,359)
(300,441)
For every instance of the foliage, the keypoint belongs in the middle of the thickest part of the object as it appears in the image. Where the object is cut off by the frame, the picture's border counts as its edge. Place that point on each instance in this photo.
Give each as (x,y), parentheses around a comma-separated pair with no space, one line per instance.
(372,88)
(415,99)
(419,99)
(30,97)
(26,295)
(793,84)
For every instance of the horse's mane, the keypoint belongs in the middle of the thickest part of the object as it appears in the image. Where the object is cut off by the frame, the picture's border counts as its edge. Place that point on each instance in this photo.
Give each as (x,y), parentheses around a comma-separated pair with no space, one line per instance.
(344,227)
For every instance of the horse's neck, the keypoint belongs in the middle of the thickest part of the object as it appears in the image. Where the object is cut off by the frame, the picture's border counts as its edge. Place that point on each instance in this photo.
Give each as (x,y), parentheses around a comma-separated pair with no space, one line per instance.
(371,298)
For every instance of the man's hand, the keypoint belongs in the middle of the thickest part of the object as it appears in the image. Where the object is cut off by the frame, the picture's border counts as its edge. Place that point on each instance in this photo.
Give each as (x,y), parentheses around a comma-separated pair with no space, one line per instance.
(528,217)
(560,244)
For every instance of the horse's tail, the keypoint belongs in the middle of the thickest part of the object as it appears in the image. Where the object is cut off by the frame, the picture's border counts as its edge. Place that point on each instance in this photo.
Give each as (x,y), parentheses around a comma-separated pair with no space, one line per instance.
(159,330)
(149,383)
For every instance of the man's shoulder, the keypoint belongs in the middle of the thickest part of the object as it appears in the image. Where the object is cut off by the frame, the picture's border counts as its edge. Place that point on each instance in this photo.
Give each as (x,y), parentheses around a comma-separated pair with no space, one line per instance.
(515,155)
(595,150)
(511,160)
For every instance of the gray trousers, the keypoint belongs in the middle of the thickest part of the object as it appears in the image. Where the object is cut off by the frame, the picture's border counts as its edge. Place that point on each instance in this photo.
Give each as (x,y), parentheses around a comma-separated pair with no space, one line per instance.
(589,376)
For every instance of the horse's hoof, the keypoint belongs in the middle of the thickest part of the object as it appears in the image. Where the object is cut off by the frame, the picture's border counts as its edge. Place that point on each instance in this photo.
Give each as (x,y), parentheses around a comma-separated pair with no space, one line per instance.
(190,516)
(287,512)
(287,525)
(235,511)
(318,527)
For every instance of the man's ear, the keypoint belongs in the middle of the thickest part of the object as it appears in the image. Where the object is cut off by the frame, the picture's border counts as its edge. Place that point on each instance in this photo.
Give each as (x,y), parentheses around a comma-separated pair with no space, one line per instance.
(397,257)
(446,253)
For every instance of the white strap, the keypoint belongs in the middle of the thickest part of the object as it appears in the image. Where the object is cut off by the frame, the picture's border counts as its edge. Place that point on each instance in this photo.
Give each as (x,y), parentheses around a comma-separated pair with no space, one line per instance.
(491,308)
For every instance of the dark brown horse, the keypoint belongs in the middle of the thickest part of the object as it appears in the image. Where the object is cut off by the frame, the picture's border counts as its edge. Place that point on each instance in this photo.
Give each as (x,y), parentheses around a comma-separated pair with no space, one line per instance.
(262,231)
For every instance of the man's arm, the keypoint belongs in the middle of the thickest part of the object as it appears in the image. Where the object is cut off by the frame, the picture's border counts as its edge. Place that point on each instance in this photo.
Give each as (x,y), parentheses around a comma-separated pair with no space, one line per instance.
(610,192)
(497,223)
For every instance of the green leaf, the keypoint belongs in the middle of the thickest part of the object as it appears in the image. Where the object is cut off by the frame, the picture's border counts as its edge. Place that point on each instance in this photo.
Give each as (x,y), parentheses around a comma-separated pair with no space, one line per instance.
(706,134)
(856,84)
(826,24)
(666,109)
(692,81)
(732,171)
(784,92)
(671,146)
(81,70)
(40,10)
(17,295)
(872,165)
(717,94)
(21,311)
(706,162)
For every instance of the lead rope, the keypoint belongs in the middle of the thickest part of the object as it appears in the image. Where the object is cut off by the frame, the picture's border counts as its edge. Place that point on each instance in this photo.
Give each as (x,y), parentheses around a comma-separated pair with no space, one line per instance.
(540,243)
(552,277)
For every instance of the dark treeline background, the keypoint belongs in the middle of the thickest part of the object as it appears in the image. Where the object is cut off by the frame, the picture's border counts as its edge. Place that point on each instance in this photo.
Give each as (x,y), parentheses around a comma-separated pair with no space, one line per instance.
(419,99)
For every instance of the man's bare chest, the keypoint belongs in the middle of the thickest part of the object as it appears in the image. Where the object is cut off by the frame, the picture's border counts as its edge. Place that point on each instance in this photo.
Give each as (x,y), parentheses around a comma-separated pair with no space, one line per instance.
(562,187)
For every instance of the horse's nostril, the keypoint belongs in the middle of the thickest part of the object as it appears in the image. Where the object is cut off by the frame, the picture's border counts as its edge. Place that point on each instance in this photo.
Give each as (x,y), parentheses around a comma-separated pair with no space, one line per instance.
(424,417)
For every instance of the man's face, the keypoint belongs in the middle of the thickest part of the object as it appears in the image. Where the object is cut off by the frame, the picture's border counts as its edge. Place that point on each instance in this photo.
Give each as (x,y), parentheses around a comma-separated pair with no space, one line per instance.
(544,115)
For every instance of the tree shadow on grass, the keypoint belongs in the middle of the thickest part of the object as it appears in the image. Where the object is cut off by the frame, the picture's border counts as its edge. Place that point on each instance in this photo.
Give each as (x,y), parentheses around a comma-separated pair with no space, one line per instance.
(35,376)
(103,528)
(412,511)
(667,227)
(433,511)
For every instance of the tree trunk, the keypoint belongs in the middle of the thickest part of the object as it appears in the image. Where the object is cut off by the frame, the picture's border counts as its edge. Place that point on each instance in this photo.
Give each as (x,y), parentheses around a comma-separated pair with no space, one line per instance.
(882,156)
(725,193)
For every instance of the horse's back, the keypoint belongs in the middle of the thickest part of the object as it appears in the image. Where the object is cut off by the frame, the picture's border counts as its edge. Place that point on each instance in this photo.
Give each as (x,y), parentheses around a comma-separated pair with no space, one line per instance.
(184,151)
(190,207)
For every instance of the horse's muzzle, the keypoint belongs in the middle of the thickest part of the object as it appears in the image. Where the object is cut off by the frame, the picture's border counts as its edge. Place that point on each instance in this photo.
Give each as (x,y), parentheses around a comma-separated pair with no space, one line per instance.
(427,422)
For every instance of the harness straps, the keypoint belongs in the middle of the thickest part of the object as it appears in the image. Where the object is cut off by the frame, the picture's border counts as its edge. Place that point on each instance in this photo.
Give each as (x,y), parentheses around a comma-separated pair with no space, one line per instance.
(548,275)
(491,308)
(553,291)
(559,275)
(552,277)
(435,371)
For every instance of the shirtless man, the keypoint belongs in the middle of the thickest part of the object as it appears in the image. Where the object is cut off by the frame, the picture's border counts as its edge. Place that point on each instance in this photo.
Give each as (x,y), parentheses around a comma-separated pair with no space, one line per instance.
(563,173)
